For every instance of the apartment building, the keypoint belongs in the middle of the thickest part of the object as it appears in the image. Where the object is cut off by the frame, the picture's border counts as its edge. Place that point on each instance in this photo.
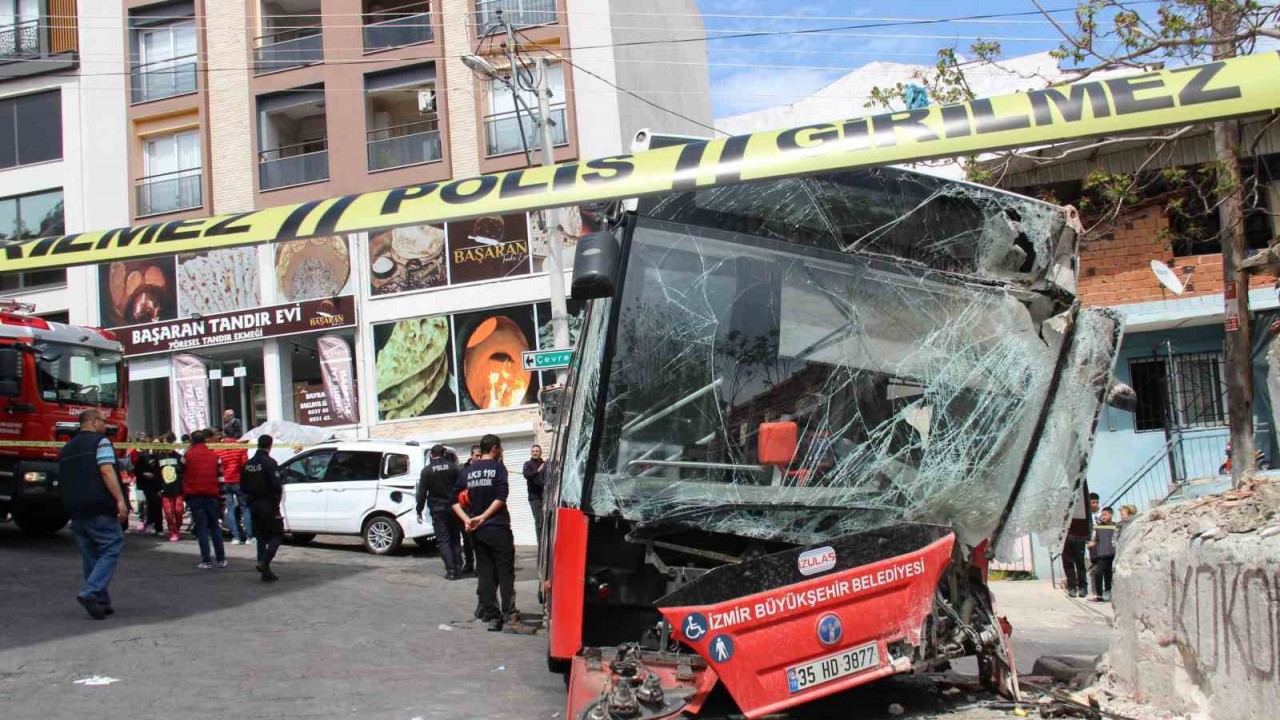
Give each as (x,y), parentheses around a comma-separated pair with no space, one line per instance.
(57,98)
(192,108)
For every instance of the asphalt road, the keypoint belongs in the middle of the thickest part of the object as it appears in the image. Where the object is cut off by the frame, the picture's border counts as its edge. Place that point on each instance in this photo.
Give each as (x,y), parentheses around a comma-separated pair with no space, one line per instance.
(343,634)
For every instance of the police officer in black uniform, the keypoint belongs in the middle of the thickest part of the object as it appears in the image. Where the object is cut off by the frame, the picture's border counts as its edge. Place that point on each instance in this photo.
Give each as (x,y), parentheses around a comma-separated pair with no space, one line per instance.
(436,490)
(485,516)
(260,482)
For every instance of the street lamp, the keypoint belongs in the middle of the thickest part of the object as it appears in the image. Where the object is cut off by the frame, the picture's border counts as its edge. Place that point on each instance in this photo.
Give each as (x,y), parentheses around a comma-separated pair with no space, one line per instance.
(555,252)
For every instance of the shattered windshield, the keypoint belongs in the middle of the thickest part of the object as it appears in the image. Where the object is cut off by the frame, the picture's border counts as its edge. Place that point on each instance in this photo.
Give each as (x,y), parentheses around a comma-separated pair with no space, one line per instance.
(910,394)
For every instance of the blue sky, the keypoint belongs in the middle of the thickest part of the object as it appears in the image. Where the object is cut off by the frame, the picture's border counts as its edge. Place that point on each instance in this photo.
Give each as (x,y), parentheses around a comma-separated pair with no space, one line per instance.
(801,64)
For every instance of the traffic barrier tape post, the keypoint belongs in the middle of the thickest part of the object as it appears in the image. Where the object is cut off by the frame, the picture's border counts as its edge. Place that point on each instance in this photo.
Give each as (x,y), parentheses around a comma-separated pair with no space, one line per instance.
(1178,96)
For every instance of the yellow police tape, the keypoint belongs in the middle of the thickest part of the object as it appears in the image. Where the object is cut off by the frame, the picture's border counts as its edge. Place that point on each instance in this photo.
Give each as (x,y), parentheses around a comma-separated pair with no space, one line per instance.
(1230,88)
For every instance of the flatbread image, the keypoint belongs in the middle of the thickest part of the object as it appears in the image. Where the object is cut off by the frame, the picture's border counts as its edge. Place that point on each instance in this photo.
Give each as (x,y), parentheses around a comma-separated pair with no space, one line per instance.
(312,268)
(417,242)
(424,399)
(414,346)
(402,394)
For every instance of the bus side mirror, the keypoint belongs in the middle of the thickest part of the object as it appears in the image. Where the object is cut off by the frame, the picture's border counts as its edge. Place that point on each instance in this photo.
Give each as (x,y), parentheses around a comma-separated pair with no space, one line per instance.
(595,266)
(1122,397)
(10,372)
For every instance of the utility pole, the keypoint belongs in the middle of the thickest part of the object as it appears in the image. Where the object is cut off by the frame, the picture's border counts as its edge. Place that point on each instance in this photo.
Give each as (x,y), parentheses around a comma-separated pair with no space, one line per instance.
(555,253)
(1236,344)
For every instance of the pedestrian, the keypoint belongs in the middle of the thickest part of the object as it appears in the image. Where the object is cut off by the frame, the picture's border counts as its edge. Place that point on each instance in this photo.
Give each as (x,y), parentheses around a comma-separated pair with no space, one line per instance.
(260,482)
(1073,552)
(172,499)
(231,425)
(489,524)
(237,517)
(201,482)
(90,478)
(1103,549)
(147,471)
(437,488)
(468,548)
(1094,502)
(535,481)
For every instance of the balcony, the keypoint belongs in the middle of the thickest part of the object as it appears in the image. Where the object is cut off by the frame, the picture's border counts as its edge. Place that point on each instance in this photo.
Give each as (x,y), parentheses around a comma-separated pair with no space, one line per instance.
(490,14)
(164,79)
(502,132)
(34,46)
(288,48)
(405,25)
(168,192)
(291,165)
(412,144)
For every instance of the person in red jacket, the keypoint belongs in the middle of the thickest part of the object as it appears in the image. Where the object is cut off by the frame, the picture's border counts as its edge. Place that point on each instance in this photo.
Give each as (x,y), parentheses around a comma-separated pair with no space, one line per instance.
(237,508)
(201,483)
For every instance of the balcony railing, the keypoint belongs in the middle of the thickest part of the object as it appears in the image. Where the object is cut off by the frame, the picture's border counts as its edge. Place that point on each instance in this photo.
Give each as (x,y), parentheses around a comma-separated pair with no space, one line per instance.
(164,78)
(411,144)
(169,192)
(520,13)
(502,132)
(293,165)
(20,41)
(405,25)
(288,48)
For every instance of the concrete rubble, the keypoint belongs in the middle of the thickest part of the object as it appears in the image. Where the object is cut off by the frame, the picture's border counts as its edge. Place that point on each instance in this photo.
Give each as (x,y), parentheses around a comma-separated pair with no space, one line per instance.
(1197,589)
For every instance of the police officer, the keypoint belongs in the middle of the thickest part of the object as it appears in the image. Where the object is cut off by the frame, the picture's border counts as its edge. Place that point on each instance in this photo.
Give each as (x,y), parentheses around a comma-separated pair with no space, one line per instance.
(485,516)
(260,482)
(436,491)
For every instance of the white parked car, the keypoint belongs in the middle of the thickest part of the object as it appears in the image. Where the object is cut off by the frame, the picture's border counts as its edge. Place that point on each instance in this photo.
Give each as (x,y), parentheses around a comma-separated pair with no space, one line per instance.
(360,488)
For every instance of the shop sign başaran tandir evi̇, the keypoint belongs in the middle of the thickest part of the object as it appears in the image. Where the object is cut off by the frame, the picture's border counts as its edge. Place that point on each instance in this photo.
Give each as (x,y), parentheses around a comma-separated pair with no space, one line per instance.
(242,326)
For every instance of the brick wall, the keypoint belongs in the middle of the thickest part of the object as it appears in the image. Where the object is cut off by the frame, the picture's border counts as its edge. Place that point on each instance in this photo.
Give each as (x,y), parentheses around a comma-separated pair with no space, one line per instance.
(461,84)
(1115,263)
(231,156)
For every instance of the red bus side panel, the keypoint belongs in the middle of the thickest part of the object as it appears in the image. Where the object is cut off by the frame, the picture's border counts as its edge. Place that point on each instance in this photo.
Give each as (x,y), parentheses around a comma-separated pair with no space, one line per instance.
(568,582)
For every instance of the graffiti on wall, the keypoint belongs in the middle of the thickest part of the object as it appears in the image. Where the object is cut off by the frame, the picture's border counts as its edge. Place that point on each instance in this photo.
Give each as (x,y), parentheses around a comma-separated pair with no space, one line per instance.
(1228,616)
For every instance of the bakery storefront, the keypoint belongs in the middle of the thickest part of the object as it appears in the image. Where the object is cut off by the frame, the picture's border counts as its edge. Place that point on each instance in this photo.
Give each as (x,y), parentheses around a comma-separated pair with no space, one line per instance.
(267,332)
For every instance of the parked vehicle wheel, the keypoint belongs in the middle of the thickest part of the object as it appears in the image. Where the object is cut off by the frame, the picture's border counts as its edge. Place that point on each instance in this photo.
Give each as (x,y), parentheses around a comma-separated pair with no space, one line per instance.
(40,525)
(382,535)
(301,538)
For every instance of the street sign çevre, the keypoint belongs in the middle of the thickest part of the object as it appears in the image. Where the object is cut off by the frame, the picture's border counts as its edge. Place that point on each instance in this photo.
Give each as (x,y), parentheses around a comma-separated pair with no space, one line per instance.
(546,359)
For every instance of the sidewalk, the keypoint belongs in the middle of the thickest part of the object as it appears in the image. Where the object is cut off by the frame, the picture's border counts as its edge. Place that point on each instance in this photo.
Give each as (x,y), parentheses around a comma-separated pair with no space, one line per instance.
(1047,622)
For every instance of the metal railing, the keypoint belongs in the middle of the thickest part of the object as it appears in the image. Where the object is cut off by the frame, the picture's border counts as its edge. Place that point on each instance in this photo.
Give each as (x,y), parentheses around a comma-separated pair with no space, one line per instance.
(169,192)
(1182,459)
(163,78)
(502,132)
(21,40)
(405,25)
(291,165)
(410,144)
(520,13)
(288,48)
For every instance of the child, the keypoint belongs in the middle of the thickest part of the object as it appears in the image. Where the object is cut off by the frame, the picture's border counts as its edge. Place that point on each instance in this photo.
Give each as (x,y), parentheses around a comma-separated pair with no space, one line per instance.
(1103,550)
(170,464)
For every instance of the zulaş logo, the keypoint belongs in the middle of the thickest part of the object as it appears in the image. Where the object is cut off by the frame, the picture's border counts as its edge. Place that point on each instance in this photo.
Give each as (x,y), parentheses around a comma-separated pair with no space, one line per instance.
(694,627)
(830,629)
(817,560)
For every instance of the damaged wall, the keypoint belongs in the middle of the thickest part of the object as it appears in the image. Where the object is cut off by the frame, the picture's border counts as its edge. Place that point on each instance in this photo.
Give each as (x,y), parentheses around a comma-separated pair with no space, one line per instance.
(1197,605)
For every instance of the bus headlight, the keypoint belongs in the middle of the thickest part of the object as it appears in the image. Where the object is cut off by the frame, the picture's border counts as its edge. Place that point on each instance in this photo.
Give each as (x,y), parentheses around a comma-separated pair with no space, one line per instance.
(33,476)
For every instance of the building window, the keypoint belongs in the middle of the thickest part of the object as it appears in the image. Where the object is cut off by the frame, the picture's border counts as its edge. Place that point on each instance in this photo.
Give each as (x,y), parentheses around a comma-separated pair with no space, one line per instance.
(1188,390)
(31,216)
(171,167)
(508,117)
(491,15)
(164,52)
(292,36)
(1195,227)
(293,138)
(30,129)
(392,24)
(400,114)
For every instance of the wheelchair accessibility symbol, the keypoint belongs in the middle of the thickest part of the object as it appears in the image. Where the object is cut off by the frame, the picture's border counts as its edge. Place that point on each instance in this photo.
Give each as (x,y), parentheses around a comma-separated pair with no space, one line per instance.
(830,630)
(694,627)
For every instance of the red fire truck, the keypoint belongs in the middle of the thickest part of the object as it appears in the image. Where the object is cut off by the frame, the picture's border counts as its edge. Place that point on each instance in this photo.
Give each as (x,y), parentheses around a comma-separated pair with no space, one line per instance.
(49,372)
(801,418)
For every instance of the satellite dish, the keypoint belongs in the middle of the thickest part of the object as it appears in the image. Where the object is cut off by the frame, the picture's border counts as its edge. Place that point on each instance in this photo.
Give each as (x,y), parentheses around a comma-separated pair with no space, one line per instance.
(1167,277)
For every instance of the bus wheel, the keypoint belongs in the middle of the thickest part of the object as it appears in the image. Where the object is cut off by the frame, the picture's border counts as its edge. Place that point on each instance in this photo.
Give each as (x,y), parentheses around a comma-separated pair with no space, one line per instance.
(39,525)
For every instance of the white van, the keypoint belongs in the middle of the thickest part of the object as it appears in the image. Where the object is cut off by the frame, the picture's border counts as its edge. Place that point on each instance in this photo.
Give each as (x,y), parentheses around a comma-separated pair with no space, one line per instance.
(362,487)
